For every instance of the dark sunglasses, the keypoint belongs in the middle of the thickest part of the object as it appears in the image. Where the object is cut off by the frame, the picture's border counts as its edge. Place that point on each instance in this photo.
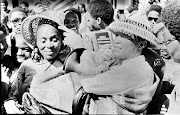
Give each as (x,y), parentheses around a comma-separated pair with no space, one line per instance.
(151,18)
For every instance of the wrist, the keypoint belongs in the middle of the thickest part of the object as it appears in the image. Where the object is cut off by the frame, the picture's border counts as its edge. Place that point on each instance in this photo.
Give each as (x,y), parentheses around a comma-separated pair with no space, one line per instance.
(81,45)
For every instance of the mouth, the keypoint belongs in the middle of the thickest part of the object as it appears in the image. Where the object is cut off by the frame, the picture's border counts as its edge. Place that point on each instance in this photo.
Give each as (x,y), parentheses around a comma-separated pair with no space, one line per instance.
(164,53)
(74,29)
(49,52)
(91,28)
(20,58)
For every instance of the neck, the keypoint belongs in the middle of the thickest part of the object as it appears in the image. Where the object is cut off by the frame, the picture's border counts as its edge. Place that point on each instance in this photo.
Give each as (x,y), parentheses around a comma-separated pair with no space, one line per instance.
(132,56)
(103,25)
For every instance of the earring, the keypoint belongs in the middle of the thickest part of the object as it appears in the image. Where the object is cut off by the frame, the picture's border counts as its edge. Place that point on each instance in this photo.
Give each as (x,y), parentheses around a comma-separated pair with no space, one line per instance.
(35,55)
(141,46)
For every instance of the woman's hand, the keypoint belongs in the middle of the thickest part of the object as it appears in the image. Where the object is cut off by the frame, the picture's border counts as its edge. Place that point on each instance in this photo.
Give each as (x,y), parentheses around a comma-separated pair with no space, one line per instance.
(11,107)
(4,75)
(72,39)
(138,99)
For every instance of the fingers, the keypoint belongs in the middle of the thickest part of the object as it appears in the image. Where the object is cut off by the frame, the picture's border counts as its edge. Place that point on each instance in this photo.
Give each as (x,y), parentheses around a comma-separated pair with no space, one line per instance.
(135,108)
(130,100)
(11,107)
(133,105)
(5,69)
(16,109)
(64,28)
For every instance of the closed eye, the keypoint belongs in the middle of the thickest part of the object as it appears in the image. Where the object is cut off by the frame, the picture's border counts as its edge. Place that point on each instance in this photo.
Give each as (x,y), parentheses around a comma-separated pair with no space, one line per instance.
(169,41)
(43,40)
(54,38)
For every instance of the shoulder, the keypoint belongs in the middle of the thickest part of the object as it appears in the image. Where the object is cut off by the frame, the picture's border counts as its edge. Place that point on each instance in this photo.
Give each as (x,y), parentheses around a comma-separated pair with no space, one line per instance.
(28,62)
(28,66)
(137,65)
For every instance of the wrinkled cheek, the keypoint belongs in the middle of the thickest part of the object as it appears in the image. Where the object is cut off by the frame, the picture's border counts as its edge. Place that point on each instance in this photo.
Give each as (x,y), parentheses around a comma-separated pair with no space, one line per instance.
(28,55)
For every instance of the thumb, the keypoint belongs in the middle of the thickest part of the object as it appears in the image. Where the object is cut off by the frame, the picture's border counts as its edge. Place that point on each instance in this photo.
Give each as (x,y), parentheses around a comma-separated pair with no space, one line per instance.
(64,28)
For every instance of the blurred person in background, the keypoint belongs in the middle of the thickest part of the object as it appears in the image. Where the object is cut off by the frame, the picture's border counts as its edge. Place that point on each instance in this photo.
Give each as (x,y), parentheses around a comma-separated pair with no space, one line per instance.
(82,8)
(153,14)
(161,33)
(4,9)
(18,85)
(98,16)
(10,64)
(40,8)
(121,15)
(3,43)
(25,5)
(72,19)
(3,48)
(15,17)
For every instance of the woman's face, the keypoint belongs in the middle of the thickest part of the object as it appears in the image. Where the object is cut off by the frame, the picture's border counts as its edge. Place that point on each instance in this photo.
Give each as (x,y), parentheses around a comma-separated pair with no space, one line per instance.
(24,51)
(49,41)
(124,48)
(72,21)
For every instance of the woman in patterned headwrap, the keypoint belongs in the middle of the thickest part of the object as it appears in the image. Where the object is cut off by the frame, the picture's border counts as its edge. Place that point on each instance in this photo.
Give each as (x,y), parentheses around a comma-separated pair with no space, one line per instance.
(53,93)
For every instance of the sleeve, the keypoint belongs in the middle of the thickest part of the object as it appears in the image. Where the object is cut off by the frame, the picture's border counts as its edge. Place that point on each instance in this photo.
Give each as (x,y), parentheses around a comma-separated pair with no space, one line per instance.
(116,80)
(83,26)
(91,63)
(16,90)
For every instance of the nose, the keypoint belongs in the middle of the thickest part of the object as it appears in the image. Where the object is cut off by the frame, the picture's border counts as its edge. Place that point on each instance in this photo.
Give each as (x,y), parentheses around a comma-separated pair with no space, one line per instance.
(71,25)
(19,52)
(49,44)
(163,47)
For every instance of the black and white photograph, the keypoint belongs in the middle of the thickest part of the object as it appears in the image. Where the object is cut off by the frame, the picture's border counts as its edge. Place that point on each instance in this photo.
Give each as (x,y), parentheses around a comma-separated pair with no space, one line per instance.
(83,57)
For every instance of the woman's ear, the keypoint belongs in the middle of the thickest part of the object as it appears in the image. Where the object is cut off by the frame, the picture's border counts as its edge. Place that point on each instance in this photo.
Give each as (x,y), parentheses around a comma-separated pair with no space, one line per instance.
(142,44)
(99,20)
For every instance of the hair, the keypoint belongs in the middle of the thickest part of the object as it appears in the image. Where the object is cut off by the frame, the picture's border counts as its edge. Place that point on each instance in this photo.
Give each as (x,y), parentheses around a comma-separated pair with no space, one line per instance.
(156,8)
(4,29)
(25,3)
(19,9)
(37,3)
(83,5)
(132,8)
(102,9)
(171,18)
(5,2)
(153,1)
(75,11)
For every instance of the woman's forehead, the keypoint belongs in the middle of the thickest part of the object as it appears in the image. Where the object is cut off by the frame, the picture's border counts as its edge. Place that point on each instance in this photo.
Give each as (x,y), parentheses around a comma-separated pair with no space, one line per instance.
(47,27)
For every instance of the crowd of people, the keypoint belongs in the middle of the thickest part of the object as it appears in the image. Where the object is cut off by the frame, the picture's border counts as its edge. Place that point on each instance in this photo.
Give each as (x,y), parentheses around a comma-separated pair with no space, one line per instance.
(90,59)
